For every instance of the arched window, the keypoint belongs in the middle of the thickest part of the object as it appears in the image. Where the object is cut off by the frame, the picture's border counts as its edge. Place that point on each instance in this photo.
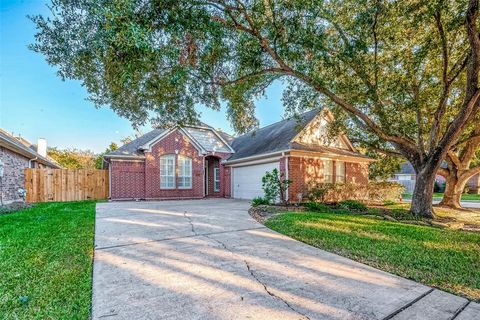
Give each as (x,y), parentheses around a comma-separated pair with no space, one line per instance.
(167,171)
(184,172)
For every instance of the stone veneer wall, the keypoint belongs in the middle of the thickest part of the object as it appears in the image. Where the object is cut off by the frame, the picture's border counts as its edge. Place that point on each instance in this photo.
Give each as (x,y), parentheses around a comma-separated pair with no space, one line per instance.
(13,175)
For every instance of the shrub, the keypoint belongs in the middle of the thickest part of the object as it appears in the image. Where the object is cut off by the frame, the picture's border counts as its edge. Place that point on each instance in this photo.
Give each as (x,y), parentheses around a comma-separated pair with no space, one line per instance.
(316,206)
(275,186)
(374,192)
(384,191)
(352,205)
(257,201)
(318,191)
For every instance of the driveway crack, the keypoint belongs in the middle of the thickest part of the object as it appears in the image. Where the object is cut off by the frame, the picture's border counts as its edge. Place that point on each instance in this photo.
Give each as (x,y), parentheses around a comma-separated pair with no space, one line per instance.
(191,223)
(255,277)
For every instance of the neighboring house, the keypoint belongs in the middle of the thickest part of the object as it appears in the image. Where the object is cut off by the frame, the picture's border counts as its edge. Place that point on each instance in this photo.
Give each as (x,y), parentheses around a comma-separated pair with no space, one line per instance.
(16,154)
(199,161)
(474,184)
(406,176)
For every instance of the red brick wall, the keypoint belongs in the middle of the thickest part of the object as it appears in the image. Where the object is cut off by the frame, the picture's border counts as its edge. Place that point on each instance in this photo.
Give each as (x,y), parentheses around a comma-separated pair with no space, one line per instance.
(302,171)
(127,179)
(142,180)
(356,173)
(227,185)
(168,145)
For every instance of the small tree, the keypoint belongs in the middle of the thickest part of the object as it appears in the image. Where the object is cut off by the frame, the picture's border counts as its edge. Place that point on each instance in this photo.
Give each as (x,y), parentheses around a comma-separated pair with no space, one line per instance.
(275,186)
(73,158)
(99,160)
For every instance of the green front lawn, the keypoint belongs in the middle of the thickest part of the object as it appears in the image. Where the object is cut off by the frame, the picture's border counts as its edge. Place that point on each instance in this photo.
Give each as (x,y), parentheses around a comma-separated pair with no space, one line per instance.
(439,196)
(443,258)
(46,261)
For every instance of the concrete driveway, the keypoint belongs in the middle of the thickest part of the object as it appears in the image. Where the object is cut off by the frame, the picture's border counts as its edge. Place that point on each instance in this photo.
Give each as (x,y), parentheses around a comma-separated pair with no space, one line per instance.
(208,259)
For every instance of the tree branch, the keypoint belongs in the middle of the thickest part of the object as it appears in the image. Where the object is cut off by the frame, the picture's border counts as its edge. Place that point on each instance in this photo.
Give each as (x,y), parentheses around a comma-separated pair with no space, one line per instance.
(407,145)
(442,105)
(443,172)
(472,92)
(454,158)
(465,175)
(243,78)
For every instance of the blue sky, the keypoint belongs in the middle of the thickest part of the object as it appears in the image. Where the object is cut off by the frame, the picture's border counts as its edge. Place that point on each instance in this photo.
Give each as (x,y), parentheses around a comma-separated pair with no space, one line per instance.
(35,103)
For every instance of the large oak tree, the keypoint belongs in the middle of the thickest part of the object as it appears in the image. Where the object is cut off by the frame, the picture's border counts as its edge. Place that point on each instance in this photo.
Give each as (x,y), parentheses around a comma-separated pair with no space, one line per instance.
(463,162)
(402,70)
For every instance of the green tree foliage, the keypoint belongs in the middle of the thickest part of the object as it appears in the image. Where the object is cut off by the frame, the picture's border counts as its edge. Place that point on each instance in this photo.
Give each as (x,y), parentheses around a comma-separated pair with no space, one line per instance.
(385,166)
(73,158)
(403,71)
(99,159)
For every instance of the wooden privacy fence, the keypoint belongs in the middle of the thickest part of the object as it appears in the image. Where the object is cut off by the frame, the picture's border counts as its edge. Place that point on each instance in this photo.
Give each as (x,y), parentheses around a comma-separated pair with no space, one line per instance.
(44,185)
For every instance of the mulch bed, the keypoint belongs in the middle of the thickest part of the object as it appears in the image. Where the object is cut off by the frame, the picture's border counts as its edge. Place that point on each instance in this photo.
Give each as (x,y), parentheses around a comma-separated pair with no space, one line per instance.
(263,212)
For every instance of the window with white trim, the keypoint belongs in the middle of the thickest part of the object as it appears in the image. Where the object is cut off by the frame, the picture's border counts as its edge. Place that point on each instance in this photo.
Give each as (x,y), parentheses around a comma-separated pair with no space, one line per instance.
(167,171)
(216,179)
(339,171)
(184,172)
(328,171)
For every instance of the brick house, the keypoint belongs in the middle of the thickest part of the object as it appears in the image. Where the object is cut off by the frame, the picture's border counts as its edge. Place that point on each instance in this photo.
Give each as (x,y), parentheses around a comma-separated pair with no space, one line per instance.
(17,154)
(198,161)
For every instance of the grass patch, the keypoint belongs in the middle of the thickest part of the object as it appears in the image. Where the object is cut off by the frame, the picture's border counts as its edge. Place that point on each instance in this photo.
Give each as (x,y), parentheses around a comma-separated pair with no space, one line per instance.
(443,258)
(46,261)
(439,196)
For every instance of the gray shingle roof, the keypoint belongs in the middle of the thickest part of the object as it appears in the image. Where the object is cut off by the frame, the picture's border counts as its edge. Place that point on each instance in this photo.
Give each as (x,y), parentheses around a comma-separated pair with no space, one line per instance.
(328,150)
(24,147)
(272,138)
(207,139)
(275,137)
(225,136)
(132,148)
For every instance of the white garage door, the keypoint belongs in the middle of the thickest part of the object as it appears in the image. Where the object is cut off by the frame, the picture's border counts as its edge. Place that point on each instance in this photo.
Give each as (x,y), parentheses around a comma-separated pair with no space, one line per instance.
(247,181)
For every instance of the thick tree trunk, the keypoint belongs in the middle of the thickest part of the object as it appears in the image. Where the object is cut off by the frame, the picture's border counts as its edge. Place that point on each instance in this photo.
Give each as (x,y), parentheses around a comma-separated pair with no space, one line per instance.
(423,193)
(453,192)
(454,186)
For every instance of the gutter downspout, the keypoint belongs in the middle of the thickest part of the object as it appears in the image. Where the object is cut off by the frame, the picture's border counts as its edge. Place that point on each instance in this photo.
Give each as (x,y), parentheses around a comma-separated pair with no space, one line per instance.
(286,177)
(109,180)
(30,161)
(285,156)
(203,182)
